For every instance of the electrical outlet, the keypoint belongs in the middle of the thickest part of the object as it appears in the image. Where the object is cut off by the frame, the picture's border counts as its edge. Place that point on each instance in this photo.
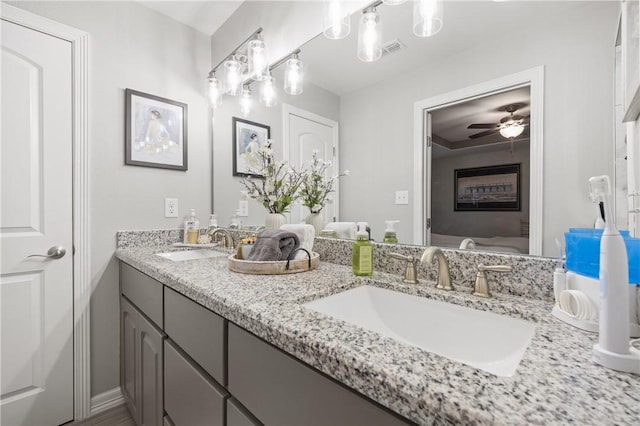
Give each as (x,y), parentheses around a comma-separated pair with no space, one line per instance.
(170,207)
(402,197)
(243,208)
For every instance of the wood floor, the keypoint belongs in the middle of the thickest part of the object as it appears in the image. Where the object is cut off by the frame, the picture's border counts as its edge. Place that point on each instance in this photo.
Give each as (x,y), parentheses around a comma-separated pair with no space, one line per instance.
(117,416)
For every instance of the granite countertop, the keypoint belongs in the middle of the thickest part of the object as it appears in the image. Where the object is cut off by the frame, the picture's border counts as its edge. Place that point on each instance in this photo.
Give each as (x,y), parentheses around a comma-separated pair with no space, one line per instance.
(555,383)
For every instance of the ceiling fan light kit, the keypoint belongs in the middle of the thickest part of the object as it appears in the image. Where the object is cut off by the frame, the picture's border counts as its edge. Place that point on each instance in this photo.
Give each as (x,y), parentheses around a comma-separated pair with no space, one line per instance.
(509,127)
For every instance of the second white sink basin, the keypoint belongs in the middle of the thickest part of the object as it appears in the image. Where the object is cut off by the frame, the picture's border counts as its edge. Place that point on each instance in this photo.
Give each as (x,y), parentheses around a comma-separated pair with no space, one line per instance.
(177,256)
(481,339)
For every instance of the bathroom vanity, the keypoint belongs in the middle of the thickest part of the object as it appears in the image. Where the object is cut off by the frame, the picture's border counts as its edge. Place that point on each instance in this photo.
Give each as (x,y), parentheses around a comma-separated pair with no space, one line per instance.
(228,348)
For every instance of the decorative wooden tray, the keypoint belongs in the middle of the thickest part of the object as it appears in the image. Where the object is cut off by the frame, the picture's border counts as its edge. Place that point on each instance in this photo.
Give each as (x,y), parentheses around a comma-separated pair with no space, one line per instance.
(273,268)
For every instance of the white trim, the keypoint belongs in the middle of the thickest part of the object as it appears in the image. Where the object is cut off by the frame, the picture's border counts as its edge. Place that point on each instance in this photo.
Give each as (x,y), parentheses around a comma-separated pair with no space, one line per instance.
(106,400)
(534,78)
(288,110)
(81,262)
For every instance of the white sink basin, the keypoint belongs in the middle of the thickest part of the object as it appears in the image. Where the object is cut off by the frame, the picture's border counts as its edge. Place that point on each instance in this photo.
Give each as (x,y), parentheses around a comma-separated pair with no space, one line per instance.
(177,256)
(484,340)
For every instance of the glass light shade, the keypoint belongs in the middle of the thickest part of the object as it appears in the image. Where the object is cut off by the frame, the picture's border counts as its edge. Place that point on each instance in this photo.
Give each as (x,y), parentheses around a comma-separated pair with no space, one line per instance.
(258,65)
(215,91)
(336,21)
(293,76)
(427,17)
(512,130)
(370,37)
(268,96)
(393,2)
(246,102)
(233,80)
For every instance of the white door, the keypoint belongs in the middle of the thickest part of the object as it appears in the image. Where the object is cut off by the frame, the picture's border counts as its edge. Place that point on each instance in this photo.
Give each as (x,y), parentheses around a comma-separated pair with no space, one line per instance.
(36,293)
(308,132)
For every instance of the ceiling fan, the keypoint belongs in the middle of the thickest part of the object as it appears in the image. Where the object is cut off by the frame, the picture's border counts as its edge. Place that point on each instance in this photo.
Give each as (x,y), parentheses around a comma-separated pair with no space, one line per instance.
(509,127)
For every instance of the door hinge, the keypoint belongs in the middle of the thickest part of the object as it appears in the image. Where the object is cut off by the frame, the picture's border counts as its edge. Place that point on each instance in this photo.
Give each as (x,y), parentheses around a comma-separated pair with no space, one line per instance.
(429,141)
(334,151)
(429,223)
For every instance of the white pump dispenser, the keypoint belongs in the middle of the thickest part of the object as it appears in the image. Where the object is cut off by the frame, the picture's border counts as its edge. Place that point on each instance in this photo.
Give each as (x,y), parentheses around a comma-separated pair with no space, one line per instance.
(613,349)
(390,231)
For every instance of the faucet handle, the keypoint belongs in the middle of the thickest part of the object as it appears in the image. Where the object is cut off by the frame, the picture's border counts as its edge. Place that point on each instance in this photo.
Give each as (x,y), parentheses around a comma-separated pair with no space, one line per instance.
(410,274)
(481,287)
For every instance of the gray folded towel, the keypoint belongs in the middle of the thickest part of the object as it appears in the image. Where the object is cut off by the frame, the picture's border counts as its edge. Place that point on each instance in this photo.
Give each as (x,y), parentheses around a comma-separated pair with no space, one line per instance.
(273,244)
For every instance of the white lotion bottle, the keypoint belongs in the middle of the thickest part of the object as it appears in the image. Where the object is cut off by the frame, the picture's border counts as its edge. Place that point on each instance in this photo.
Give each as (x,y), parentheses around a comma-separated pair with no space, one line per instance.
(613,349)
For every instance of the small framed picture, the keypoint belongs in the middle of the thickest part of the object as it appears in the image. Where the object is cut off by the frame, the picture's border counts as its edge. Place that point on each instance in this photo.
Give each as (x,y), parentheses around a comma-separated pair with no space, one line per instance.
(494,188)
(156,131)
(247,138)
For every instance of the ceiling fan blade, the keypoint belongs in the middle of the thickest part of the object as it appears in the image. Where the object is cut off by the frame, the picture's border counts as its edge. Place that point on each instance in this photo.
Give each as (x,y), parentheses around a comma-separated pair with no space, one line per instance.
(482,126)
(483,134)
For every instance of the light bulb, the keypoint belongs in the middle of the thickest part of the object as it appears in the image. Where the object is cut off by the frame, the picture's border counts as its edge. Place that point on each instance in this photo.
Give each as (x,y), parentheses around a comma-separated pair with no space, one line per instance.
(512,130)
(268,95)
(293,76)
(427,17)
(369,37)
(258,65)
(336,21)
(233,69)
(215,91)
(245,102)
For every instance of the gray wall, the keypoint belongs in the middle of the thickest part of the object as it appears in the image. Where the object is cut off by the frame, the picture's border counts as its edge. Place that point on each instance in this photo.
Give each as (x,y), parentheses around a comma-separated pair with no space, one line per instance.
(477,224)
(133,47)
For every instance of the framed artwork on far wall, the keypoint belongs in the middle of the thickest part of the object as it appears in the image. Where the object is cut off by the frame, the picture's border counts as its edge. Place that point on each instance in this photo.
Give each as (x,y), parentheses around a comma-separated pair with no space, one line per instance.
(493,188)
(155,131)
(248,136)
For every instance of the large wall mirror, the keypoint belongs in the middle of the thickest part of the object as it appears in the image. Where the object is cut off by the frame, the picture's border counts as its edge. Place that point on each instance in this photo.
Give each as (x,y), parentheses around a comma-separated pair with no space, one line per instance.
(373,104)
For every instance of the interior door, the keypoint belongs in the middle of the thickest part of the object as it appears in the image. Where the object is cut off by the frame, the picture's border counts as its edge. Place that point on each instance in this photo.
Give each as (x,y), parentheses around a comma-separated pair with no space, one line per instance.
(36,293)
(307,133)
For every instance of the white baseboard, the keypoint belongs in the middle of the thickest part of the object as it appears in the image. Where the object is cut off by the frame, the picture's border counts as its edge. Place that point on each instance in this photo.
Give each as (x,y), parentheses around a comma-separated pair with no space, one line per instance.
(106,400)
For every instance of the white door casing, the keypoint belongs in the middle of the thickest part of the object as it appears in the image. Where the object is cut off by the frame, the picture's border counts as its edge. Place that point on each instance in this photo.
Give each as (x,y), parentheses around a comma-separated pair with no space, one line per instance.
(534,78)
(75,171)
(305,132)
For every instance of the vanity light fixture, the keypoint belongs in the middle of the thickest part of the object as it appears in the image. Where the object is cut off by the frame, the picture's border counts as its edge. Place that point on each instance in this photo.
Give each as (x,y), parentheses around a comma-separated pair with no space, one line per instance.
(336,20)
(246,102)
(257,58)
(427,17)
(393,2)
(512,129)
(268,95)
(293,75)
(215,90)
(370,35)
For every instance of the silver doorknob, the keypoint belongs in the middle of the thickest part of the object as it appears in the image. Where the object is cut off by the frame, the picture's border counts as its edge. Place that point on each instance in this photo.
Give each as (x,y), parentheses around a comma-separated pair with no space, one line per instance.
(55,252)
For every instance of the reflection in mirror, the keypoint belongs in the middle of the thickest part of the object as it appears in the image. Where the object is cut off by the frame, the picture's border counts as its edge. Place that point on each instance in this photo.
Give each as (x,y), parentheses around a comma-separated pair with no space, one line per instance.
(480,41)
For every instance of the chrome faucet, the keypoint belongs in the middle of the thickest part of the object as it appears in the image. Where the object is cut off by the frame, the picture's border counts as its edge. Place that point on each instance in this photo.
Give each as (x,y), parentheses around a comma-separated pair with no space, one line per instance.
(481,287)
(410,274)
(444,277)
(227,239)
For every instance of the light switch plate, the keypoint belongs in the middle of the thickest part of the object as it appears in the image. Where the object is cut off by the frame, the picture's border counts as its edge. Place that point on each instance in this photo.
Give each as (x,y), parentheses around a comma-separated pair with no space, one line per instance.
(170,207)
(402,197)
(243,208)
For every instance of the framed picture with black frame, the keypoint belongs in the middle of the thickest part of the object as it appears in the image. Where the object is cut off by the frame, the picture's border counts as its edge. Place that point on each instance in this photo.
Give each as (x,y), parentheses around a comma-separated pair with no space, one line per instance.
(248,137)
(155,131)
(492,188)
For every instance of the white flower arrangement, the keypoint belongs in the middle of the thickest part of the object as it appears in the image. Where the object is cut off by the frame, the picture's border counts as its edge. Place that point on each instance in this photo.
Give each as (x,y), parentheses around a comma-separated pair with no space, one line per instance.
(315,188)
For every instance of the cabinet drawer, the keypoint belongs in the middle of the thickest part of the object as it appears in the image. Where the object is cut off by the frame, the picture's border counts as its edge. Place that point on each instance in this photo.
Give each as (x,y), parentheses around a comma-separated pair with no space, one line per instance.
(190,397)
(279,389)
(237,415)
(143,291)
(198,331)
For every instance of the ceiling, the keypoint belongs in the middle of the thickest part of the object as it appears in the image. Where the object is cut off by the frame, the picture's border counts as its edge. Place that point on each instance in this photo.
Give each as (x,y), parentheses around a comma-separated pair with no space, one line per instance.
(204,16)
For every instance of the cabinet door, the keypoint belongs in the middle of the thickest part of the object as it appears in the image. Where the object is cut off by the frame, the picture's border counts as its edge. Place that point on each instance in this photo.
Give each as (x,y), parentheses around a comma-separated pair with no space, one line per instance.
(143,291)
(129,332)
(279,389)
(239,416)
(151,374)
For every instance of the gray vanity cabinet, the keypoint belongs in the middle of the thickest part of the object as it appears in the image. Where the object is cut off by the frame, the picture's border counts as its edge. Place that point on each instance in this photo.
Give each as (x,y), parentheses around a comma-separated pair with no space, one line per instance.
(141,371)
(279,389)
(191,397)
(238,415)
(141,350)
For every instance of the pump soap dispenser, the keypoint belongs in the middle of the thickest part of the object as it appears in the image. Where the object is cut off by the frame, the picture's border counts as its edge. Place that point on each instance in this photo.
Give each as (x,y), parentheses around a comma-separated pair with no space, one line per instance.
(613,349)
(191,228)
(362,256)
(390,232)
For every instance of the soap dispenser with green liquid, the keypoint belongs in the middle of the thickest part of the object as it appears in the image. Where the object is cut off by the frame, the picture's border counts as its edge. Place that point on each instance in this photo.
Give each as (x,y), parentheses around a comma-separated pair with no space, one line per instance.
(362,260)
